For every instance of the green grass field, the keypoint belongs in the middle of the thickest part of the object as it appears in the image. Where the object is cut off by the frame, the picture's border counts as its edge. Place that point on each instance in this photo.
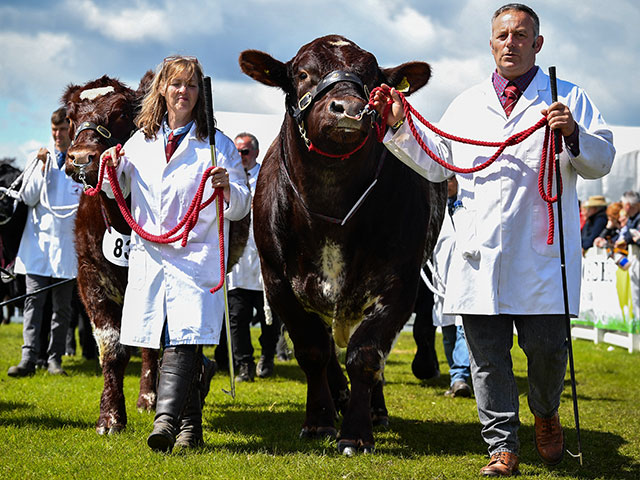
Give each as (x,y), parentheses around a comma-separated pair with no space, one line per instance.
(47,425)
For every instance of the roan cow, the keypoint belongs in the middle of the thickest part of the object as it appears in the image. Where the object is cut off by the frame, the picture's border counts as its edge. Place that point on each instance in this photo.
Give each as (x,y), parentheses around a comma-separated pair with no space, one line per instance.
(102,114)
(342,229)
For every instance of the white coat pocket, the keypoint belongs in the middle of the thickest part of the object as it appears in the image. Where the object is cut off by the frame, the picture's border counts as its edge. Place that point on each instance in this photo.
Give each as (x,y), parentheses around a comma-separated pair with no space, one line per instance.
(540,233)
(466,234)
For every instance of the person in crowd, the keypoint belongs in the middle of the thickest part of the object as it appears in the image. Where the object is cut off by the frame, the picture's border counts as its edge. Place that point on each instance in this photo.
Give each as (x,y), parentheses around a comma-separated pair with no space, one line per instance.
(47,254)
(503,270)
(629,240)
(246,290)
(168,301)
(595,220)
(455,345)
(611,231)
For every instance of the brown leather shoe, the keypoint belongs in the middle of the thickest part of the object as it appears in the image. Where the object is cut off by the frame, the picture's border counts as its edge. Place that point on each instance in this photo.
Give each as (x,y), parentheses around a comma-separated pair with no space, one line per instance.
(549,439)
(502,464)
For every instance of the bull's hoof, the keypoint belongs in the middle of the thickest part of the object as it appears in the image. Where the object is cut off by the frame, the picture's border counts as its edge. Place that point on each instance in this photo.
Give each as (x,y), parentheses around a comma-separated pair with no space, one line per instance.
(101,430)
(146,402)
(381,421)
(115,429)
(308,433)
(349,448)
(424,369)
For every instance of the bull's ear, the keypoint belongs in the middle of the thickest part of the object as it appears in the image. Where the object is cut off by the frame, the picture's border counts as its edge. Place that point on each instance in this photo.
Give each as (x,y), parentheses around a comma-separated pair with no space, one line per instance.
(264,68)
(408,77)
(68,93)
(145,83)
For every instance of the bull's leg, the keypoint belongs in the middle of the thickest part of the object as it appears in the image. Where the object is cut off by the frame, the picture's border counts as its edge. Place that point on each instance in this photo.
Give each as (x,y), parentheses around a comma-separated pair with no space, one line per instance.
(364,366)
(379,414)
(425,363)
(148,380)
(313,350)
(114,358)
(338,383)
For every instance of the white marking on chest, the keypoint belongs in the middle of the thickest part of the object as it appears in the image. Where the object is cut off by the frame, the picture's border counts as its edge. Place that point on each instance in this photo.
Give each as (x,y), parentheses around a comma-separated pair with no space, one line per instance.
(93,93)
(332,270)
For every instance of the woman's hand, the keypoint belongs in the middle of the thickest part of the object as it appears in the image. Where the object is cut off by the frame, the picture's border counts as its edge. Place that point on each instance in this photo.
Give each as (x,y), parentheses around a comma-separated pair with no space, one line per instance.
(112,156)
(220,179)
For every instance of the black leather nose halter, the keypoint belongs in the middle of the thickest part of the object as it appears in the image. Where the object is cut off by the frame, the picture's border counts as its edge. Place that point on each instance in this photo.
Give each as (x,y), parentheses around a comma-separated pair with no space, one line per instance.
(325,84)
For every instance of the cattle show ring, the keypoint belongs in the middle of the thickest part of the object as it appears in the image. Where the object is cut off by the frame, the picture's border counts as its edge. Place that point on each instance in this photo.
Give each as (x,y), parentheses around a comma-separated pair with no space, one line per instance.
(346,234)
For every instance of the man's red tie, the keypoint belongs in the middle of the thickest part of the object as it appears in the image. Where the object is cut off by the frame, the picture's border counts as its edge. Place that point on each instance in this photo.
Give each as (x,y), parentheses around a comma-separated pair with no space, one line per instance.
(172,144)
(512,93)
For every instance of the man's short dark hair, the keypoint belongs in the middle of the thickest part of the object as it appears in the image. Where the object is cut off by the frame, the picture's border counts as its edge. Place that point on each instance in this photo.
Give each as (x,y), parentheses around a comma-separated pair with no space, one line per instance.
(252,138)
(59,116)
(519,7)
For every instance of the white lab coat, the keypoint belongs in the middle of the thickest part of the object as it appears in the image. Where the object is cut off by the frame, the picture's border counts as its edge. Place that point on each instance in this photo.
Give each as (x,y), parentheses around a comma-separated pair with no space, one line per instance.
(502,263)
(246,273)
(167,280)
(440,259)
(47,246)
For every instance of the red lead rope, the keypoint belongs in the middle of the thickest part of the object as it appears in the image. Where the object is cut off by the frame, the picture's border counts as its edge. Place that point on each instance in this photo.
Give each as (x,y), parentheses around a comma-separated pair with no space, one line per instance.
(547,165)
(186,224)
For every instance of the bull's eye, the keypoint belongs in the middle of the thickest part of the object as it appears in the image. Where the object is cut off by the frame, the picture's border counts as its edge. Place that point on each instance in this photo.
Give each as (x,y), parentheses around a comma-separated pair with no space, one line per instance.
(303,76)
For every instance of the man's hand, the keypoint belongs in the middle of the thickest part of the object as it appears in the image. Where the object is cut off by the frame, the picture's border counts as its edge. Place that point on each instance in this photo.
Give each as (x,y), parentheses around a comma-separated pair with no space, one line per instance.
(42,155)
(381,98)
(559,118)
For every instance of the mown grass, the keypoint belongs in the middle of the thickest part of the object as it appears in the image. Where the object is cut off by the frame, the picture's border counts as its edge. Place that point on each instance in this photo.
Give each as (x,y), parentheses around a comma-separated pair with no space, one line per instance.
(47,426)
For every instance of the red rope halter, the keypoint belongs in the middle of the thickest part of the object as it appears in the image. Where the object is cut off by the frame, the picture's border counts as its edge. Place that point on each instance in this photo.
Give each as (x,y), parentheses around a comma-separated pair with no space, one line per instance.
(547,165)
(186,224)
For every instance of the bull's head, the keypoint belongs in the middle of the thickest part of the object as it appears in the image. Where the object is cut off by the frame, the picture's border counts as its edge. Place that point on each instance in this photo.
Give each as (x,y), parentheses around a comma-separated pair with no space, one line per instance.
(102,114)
(327,85)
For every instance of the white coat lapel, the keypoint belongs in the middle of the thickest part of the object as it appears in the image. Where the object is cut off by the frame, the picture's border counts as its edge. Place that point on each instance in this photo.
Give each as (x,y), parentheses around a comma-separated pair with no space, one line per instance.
(492,100)
(530,95)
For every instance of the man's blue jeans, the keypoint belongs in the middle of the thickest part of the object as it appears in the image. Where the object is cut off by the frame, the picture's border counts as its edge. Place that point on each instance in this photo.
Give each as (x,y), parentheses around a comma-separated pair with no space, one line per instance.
(543,338)
(455,349)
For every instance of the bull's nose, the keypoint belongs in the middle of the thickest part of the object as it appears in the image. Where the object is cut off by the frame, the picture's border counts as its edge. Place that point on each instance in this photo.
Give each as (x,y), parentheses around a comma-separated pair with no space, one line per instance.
(81,158)
(337,107)
(345,108)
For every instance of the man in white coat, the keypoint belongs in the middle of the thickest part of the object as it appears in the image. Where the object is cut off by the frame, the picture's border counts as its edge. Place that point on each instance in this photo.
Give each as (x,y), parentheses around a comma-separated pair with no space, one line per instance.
(246,290)
(503,271)
(47,254)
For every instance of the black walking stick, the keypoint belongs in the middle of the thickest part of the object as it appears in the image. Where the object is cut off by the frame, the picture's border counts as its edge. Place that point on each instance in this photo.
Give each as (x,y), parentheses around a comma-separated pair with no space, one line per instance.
(36,292)
(208,106)
(557,141)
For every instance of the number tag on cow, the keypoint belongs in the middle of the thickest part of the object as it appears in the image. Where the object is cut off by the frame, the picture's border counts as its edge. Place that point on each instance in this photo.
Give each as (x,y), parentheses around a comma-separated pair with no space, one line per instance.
(115,247)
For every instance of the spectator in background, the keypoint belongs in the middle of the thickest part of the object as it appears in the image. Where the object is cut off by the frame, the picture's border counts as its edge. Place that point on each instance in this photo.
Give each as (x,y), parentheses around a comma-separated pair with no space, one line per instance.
(595,209)
(246,289)
(455,345)
(610,233)
(629,239)
(47,253)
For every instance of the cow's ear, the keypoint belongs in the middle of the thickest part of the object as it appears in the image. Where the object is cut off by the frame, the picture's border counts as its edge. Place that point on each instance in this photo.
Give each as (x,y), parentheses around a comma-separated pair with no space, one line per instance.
(69,92)
(408,77)
(264,68)
(145,83)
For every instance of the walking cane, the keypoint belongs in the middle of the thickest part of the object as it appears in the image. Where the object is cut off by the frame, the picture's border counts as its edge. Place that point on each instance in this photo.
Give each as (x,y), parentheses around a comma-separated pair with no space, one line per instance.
(574,395)
(36,292)
(208,105)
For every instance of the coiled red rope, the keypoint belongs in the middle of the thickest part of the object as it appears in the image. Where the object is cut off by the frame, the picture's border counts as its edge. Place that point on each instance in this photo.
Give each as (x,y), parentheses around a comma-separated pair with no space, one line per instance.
(186,224)
(547,165)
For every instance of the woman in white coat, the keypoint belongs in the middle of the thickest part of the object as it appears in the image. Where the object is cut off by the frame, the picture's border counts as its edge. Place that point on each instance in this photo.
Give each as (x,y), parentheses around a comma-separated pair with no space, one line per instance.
(167,302)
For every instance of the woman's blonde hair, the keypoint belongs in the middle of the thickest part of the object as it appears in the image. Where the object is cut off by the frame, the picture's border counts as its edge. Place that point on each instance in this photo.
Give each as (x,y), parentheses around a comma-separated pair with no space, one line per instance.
(154,105)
